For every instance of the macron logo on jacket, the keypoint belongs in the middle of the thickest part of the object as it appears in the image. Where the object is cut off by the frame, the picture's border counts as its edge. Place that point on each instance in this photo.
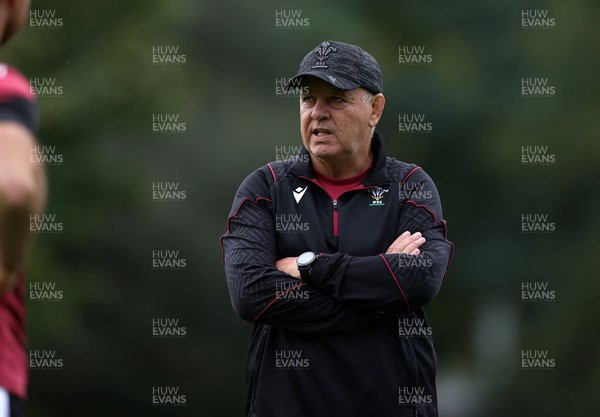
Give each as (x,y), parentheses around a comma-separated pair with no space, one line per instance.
(299,193)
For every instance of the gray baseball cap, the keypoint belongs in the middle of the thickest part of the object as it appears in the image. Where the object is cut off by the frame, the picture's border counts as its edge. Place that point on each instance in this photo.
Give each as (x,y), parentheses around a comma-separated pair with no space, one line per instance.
(342,65)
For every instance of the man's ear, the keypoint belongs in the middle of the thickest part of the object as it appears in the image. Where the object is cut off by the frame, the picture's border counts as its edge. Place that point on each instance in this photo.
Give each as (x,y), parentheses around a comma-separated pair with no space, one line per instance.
(377,105)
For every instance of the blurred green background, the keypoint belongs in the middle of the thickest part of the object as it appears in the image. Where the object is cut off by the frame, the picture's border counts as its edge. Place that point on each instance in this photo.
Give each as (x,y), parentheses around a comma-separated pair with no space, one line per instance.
(225,92)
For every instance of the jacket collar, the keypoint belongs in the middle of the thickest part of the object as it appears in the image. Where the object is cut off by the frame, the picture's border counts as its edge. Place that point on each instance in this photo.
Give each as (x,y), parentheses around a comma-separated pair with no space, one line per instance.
(377,175)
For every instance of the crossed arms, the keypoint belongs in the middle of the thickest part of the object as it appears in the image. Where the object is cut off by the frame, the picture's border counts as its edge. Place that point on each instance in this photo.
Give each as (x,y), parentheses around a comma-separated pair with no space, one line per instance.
(344,292)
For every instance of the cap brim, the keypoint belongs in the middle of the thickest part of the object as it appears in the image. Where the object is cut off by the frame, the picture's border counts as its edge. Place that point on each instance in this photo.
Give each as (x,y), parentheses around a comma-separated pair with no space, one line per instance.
(329,77)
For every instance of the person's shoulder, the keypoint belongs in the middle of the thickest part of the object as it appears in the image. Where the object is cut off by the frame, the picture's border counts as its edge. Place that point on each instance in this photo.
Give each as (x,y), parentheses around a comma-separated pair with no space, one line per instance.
(258,183)
(399,171)
(281,168)
(404,172)
(13,84)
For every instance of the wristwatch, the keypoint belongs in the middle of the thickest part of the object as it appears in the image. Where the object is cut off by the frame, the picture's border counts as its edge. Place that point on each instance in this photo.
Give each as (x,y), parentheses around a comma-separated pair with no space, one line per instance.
(304,263)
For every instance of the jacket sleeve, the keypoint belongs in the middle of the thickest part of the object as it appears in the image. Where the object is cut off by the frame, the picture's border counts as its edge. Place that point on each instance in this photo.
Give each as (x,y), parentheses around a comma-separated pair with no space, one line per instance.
(396,282)
(259,292)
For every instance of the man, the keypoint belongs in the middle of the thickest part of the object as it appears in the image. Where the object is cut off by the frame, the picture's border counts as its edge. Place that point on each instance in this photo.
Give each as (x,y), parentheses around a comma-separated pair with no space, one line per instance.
(338,306)
(22,192)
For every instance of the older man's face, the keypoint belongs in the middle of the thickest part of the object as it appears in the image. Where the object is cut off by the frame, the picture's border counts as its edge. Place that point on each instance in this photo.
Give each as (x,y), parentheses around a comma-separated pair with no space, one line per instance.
(335,124)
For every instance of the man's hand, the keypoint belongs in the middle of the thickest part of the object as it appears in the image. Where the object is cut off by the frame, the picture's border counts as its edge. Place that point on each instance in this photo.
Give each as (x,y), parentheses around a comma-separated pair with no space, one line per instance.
(407,243)
(289,266)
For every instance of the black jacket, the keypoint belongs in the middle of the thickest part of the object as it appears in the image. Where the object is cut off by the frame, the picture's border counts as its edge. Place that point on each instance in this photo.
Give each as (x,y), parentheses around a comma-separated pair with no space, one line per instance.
(353,339)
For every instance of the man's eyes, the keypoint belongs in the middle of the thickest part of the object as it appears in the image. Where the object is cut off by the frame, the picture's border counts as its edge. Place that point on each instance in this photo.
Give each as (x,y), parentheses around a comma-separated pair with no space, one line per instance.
(333,99)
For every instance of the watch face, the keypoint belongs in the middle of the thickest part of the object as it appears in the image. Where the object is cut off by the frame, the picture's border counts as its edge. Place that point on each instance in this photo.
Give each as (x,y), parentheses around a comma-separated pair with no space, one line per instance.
(306,258)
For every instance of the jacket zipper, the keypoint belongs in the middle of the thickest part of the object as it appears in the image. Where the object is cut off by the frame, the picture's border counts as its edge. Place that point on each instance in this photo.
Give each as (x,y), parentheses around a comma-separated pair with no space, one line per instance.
(335,218)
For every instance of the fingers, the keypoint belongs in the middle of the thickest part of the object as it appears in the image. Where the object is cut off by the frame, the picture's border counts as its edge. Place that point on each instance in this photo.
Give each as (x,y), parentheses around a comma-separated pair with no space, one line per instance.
(400,242)
(407,243)
(413,247)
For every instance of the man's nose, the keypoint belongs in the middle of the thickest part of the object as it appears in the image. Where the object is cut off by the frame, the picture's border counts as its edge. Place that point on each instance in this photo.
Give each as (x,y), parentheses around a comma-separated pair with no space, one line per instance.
(320,110)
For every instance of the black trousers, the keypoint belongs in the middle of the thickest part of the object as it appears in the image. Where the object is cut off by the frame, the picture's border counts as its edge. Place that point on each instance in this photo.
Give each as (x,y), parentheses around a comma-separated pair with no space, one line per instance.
(17,407)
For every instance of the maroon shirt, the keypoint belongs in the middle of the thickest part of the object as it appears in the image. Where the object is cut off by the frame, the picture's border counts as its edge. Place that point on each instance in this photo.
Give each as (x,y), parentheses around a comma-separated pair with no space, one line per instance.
(335,187)
(17,105)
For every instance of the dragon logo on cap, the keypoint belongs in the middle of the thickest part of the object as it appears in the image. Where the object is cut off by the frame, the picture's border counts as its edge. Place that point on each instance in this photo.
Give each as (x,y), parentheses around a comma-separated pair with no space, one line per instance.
(323,52)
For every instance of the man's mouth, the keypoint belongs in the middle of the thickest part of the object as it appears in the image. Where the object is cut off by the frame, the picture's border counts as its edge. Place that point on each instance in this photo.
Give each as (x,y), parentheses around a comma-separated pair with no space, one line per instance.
(321,132)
